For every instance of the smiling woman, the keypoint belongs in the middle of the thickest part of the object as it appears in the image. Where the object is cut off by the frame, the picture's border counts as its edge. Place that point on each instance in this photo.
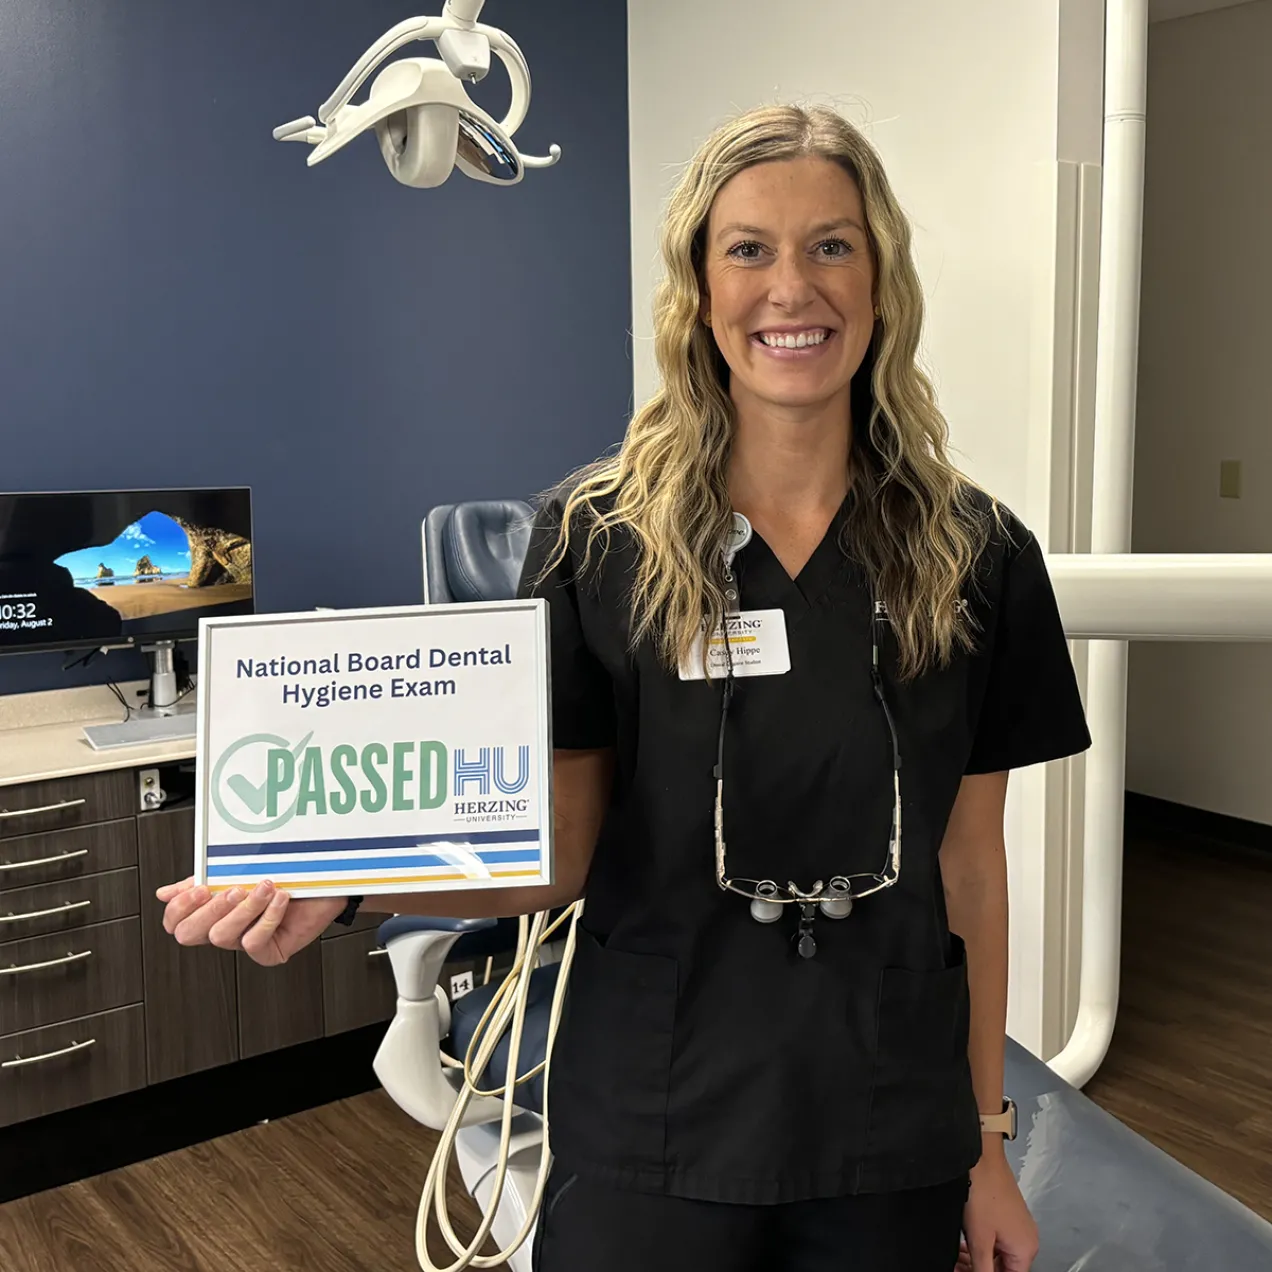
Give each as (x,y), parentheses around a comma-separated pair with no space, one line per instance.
(785,1050)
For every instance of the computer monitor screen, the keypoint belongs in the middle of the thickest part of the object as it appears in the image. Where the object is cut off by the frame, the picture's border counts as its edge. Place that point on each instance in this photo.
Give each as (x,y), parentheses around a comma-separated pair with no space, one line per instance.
(121,567)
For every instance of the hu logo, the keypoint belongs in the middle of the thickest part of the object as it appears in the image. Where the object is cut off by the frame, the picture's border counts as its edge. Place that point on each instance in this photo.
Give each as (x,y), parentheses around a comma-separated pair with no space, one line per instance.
(489,767)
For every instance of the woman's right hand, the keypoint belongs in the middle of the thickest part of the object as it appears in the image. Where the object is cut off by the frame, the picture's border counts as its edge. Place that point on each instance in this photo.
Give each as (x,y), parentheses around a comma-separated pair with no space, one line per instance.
(265,923)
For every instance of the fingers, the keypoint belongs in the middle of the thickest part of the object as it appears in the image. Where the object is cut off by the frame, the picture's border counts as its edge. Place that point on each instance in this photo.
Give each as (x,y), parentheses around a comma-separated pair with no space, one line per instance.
(242,910)
(1020,1260)
(199,917)
(982,1259)
(170,890)
(183,905)
(260,942)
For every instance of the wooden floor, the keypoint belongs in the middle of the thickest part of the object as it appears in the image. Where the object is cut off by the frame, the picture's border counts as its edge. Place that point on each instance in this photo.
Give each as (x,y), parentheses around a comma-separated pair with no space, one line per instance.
(1191,1063)
(330,1190)
(336,1189)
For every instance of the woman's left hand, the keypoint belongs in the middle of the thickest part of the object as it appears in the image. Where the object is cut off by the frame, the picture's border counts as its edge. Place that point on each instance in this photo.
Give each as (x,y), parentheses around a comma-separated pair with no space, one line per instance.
(999,1233)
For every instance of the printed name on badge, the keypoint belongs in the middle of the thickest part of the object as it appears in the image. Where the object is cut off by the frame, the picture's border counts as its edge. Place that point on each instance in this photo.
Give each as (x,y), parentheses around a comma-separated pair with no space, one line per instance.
(757,643)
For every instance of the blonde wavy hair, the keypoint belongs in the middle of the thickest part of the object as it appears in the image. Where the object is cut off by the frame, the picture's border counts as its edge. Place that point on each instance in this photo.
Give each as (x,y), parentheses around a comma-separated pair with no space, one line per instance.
(916,526)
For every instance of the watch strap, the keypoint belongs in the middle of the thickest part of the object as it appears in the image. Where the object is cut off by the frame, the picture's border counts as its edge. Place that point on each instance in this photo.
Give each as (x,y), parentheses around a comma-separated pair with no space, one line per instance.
(1003,1123)
(350,912)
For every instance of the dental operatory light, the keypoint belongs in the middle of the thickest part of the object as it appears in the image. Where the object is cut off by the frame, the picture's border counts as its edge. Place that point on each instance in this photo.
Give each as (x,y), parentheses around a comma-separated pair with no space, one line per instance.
(419,107)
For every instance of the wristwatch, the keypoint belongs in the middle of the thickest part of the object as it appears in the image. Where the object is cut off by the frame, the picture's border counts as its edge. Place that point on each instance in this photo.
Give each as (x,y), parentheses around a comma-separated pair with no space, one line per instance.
(350,912)
(1003,1123)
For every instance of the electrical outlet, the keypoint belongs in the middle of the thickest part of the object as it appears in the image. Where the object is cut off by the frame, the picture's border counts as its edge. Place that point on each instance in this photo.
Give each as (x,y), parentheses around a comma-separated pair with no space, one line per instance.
(461,984)
(1229,479)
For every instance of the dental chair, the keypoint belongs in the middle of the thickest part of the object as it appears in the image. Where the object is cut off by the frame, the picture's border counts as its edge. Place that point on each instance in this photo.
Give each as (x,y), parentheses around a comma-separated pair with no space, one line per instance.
(1104,1198)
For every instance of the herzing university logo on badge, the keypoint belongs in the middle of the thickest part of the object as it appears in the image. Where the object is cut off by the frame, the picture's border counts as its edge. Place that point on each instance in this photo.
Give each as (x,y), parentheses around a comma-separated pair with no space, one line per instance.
(262,781)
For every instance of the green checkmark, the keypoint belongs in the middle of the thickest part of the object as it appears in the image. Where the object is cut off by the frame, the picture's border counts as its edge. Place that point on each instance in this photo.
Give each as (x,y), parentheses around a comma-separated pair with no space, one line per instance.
(253,795)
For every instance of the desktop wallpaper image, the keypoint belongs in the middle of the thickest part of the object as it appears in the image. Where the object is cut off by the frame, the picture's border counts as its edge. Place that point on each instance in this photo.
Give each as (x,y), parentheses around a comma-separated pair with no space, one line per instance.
(160,564)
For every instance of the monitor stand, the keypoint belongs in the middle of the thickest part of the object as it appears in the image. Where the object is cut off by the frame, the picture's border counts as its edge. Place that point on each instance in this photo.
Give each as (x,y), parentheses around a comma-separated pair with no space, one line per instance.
(163,678)
(169,717)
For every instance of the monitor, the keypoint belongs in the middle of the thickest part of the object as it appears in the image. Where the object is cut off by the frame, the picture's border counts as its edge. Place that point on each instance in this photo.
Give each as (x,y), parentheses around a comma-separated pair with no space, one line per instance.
(122,567)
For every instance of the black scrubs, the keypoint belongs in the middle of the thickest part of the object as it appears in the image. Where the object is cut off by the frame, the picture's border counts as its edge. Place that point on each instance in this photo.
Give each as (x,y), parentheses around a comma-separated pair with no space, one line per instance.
(705,1076)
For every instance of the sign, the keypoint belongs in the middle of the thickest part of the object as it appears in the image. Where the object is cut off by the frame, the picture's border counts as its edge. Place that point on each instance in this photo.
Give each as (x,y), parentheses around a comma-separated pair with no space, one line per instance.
(378,750)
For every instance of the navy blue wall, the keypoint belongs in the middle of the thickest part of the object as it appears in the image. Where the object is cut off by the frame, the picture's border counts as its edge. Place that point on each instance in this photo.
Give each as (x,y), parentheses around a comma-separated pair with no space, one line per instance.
(184,302)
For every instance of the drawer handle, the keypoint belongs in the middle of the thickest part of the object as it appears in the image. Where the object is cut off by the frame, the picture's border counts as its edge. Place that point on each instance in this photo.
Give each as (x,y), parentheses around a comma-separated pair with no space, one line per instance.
(6,813)
(44,914)
(48,1055)
(376,953)
(43,861)
(56,962)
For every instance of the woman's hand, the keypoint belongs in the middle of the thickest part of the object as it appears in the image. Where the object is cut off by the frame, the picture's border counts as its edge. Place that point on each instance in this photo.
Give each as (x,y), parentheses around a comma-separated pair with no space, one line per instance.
(265,923)
(999,1233)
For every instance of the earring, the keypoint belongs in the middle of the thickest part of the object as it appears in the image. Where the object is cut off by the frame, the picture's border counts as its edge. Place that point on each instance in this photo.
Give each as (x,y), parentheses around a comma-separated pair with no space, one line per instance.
(706,318)
(878,313)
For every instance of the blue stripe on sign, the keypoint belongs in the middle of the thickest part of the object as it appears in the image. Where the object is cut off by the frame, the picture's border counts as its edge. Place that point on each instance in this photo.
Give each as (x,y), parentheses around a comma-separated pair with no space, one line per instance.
(337,865)
(469,839)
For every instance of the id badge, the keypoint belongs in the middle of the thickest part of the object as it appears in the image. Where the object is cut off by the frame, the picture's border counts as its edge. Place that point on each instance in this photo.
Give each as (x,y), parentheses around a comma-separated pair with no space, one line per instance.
(757,643)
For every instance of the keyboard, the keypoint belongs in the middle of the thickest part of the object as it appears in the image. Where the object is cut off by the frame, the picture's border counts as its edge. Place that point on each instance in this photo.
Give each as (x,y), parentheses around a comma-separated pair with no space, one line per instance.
(140,730)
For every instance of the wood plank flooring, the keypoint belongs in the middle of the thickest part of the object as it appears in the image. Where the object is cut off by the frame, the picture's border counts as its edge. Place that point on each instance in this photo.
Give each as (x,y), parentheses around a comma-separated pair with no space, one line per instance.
(334,1189)
(1190,1067)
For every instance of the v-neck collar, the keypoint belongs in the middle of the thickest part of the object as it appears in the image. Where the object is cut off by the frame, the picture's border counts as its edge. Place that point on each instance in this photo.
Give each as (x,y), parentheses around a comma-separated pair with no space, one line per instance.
(763,580)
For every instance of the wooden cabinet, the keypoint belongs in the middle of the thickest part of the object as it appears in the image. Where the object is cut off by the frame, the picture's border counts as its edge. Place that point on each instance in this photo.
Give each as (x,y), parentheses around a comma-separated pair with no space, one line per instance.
(357,982)
(67,854)
(279,1006)
(66,801)
(68,904)
(191,992)
(48,979)
(96,999)
(64,1065)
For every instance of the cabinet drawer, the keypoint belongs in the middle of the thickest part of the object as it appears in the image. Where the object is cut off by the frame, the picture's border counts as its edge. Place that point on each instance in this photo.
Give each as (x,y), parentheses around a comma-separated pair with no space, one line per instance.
(66,801)
(50,979)
(75,903)
(67,854)
(45,1070)
(357,983)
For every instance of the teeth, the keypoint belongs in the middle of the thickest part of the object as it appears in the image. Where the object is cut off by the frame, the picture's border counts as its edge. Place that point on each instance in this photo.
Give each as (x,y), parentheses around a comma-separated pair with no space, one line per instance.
(778,340)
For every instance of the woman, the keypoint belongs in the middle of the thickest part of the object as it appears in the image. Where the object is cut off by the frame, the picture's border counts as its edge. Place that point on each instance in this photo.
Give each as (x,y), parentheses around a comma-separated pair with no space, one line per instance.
(783,1046)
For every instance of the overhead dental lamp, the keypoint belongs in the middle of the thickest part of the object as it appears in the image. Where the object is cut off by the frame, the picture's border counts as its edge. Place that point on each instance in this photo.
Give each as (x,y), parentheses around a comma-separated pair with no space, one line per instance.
(419,107)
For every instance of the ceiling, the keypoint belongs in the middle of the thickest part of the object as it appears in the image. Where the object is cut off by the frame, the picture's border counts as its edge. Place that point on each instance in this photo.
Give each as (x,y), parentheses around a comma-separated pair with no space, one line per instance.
(1163,10)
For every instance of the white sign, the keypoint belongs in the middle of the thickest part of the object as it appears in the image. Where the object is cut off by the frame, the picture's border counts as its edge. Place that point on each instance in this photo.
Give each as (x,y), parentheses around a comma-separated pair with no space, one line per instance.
(373,751)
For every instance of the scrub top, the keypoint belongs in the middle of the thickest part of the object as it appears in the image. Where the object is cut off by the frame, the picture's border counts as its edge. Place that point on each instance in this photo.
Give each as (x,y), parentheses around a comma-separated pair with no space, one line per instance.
(698,1055)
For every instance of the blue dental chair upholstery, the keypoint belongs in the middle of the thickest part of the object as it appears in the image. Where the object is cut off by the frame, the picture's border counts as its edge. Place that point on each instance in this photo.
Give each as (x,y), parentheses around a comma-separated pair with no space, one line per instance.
(467,1013)
(1105,1199)
(481,938)
(474,551)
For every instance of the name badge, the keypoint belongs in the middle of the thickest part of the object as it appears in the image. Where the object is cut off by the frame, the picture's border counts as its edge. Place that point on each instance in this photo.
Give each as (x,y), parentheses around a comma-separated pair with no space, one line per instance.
(757,643)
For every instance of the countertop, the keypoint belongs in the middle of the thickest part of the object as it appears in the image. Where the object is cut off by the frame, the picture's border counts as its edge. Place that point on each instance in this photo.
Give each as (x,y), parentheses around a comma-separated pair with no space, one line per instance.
(41,735)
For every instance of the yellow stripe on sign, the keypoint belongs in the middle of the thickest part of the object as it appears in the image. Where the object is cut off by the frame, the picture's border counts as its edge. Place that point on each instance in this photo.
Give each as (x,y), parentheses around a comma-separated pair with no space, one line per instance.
(285,886)
(737,640)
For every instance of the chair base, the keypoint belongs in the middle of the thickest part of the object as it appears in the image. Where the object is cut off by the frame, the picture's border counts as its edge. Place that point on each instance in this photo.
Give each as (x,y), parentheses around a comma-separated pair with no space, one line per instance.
(477,1152)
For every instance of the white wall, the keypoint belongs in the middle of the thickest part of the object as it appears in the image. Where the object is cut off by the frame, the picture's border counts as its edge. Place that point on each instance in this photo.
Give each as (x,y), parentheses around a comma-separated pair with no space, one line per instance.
(971,105)
(1200,716)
